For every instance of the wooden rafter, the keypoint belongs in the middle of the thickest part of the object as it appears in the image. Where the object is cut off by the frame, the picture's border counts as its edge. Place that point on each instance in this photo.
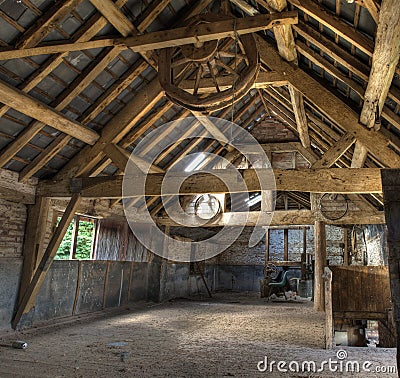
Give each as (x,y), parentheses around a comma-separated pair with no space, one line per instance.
(329,105)
(331,156)
(384,62)
(36,109)
(45,24)
(121,157)
(114,15)
(300,115)
(359,155)
(94,26)
(163,39)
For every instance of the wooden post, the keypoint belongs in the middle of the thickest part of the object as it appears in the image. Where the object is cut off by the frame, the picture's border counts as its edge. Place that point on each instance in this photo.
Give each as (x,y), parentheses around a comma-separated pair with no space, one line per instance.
(285,244)
(391,200)
(266,245)
(328,309)
(29,296)
(75,232)
(320,262)
(33,245)
(345,247)
(304,256)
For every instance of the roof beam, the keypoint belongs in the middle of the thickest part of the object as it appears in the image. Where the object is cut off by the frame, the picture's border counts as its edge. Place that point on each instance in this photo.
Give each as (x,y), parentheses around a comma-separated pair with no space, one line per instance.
(372,7)
(34,108)
(300,115)
(384,62)
(113,14)
(359,155)
(45,24)
(263,79)
(95,25)
(169,38)
(114,131)
(121,157)
(280,218)
(334,23)
(332,180)
(283,33)
(331,156)
(330,106)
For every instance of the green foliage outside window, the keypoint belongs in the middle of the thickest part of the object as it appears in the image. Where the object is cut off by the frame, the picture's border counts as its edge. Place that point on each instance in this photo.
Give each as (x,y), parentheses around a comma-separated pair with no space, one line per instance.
(83,243)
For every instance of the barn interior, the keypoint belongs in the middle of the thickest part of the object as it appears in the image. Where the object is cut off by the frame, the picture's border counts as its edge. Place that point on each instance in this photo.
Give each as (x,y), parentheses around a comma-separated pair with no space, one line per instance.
(188,187)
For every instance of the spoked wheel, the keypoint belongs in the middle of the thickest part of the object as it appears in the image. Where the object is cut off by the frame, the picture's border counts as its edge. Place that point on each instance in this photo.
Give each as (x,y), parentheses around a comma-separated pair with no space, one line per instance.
(208,76)
(270,271)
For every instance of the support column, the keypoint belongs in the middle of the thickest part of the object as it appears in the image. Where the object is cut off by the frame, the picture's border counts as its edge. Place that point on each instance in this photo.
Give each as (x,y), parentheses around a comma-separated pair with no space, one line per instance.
(33,245)
(320,262)
(391,199)
(304,256)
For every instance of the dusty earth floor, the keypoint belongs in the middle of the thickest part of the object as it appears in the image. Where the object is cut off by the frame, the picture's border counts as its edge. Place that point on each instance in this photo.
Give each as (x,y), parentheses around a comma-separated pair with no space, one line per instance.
(220,337)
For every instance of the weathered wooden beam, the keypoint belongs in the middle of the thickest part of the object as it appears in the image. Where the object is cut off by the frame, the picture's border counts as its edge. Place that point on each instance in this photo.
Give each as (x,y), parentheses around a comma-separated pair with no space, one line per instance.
(334,180)
(359,155)
(114,131)
(280,218)
(44,157)
(320,263)
(338,26)
(391,198)
(329,326)
(300,115)
(151,13)
(263,80)
(163,39)
(330,106)
(283,33)
(35,231)
(95,24)
(34,108)
(120,157)
(46,23)
(372,7)
(384,62)
(331,156)
(29,296)
(114,15)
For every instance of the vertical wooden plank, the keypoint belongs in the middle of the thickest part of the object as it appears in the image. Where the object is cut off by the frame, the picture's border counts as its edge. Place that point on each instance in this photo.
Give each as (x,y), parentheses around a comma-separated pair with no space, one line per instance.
(304,256)
(78,287)
(266,245)
(130,281)
(391,200)
(75,232)
(320,262)
(345,247)
(328,309)
(29,297)
(286,244)
(106,284)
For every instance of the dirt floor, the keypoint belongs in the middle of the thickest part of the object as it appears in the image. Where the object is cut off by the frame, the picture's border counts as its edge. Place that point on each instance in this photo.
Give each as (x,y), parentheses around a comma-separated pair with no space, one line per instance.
(225,336)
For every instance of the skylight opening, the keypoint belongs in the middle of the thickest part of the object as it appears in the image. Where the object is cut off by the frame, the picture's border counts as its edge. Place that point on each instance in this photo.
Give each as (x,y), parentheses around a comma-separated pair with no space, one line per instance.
(196,163)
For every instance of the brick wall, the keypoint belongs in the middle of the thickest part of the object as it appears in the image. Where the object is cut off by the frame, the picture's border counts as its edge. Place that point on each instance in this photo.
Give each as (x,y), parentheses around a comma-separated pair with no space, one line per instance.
(272,131)
(12,228)
(239,253)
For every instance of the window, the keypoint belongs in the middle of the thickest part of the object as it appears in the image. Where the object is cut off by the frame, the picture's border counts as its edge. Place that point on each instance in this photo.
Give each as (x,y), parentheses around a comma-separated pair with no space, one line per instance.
(78,241)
